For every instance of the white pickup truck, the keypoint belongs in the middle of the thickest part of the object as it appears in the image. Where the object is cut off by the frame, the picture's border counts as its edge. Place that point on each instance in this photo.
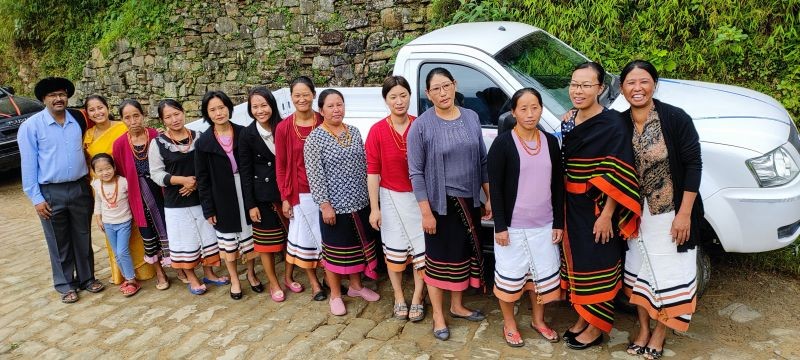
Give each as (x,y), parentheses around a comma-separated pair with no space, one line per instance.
(750,146)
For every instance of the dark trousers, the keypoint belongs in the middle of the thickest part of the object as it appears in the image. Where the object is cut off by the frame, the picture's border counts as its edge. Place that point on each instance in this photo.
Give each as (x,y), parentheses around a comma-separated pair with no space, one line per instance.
(68,234)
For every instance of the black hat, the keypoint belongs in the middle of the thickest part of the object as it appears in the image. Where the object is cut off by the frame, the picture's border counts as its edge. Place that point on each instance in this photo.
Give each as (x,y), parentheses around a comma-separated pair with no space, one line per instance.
(50,84)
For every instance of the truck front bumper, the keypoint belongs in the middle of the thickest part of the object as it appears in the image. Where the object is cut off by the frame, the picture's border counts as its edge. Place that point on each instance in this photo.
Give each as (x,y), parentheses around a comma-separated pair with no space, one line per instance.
(755,219)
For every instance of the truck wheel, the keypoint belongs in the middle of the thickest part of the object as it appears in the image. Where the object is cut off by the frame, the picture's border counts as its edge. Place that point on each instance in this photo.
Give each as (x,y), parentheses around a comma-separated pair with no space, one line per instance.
(703,271)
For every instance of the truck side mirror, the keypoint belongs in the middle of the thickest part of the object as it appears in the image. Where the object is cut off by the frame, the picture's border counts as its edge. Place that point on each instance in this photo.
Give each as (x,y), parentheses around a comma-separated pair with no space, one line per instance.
(506,122)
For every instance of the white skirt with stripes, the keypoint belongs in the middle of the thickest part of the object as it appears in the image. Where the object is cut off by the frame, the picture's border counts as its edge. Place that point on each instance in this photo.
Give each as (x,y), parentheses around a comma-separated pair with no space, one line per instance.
(530,256)
(401,230)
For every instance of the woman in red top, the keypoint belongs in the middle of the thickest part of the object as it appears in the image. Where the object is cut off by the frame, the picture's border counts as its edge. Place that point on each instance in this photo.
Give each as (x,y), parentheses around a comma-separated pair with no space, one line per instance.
(304,242)
(394,209)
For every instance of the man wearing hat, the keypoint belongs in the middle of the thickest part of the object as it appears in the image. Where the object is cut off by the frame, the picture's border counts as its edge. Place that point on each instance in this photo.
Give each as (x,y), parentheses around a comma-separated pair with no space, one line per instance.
(54,179)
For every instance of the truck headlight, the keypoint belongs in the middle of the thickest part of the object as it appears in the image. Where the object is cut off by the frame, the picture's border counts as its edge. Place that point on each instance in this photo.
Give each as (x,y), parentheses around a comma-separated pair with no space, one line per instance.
(774,168)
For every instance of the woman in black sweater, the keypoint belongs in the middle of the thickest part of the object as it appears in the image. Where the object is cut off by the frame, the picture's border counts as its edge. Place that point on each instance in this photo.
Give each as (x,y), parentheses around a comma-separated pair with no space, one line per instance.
(660,265)
(220,187)
(526,183)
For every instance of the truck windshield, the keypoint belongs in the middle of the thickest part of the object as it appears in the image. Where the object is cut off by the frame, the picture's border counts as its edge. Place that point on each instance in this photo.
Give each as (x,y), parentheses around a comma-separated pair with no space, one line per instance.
(540,61)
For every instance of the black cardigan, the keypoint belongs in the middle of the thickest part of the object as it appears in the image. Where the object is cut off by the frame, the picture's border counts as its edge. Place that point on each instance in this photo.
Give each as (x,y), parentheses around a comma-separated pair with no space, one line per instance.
(504,178)
(215,182)
(685,163)
(257,166)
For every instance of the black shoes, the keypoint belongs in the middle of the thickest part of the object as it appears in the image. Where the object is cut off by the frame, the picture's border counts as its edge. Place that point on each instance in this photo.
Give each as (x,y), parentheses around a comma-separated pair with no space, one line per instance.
(574,344)
(571,335)
(257,288)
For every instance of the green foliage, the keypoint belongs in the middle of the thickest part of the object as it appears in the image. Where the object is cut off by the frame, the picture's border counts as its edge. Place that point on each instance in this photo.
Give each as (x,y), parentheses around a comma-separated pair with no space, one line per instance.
(62,34)
(785,260)
(754,44)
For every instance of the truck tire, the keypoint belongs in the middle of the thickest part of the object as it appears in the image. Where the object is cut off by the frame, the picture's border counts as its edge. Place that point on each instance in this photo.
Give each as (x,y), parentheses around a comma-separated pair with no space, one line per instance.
(703,271)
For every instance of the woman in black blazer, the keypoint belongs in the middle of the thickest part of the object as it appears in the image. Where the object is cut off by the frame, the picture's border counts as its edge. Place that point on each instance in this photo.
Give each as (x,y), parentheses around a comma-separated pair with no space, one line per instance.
(220,188)
(260,189)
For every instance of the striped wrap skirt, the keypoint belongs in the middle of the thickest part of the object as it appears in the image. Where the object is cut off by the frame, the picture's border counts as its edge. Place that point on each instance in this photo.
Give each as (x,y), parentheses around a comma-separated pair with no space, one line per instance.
(401,230)
(269,235)
(348,246)
(237,245)
(658,277)
(304,242)
(453,258)
(191,238)
(530,261)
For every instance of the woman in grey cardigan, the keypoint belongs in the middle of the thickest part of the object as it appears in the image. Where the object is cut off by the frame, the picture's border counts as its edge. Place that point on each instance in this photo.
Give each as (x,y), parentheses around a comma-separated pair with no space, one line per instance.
(447,167)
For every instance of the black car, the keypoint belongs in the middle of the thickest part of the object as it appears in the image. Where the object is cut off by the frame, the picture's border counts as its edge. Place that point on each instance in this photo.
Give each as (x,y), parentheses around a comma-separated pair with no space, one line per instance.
(14,110)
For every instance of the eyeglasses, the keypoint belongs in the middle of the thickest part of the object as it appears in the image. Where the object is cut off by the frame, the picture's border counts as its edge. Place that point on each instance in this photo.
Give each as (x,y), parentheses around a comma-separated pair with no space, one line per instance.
(438,89)
(576,86)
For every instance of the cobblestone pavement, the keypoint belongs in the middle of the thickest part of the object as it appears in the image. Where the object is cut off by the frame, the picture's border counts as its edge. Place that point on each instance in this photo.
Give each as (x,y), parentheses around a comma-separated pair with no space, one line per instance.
(173,324)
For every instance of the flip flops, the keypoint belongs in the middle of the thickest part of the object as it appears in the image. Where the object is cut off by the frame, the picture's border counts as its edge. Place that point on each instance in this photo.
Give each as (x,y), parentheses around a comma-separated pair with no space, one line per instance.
(400,311)
(130,288)
(513,338)
(419,310)
(69,297)
(199,291)
(219,282)
(95,287)
(547,333)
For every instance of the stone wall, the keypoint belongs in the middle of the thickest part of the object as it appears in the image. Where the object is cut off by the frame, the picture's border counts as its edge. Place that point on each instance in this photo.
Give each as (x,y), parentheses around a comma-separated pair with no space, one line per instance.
(235,45)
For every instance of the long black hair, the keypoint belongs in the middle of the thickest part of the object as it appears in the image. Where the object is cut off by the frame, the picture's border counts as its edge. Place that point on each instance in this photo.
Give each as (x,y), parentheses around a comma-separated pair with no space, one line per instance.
(262,91)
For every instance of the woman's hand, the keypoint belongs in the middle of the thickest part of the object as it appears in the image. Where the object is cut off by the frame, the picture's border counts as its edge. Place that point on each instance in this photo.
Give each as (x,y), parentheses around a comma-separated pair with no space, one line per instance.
(568,115)
(212,220)
(603,232)
(487,210)
(501,238)
(99,220)
(255,215)
(287,209)
(558,235)
(328,215)
(375,219)
(680,228)
(429,224)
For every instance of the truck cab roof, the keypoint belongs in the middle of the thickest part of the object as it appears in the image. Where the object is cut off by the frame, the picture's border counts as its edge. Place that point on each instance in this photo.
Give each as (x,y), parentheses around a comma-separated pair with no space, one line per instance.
(489,37)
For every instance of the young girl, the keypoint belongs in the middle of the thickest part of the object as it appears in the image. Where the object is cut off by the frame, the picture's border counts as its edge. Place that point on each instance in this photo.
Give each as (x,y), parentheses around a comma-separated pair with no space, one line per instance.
(113,215)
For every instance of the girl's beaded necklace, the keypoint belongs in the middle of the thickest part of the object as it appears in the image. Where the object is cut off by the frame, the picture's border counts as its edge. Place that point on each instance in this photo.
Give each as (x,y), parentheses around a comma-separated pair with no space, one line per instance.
(111,199)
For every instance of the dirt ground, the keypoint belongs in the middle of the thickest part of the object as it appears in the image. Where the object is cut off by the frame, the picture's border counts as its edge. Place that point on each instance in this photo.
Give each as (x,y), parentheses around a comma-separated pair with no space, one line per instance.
(744,314)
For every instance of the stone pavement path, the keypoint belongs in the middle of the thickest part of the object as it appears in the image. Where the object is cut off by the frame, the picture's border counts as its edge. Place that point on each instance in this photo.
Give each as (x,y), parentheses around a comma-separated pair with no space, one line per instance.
(173,324)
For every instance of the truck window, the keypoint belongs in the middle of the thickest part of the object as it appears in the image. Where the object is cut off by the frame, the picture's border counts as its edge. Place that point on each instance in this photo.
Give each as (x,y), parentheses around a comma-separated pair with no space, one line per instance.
(474,91)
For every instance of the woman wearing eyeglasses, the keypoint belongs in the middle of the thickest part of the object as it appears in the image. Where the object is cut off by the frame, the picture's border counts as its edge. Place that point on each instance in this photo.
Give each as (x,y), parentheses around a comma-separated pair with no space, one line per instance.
(447,167)
(602,206)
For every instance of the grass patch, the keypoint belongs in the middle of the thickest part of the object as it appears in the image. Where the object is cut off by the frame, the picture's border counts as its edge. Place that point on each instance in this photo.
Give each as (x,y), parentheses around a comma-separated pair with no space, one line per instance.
(785,260)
